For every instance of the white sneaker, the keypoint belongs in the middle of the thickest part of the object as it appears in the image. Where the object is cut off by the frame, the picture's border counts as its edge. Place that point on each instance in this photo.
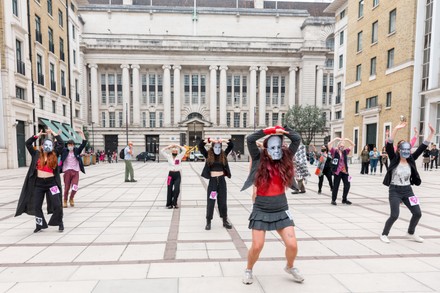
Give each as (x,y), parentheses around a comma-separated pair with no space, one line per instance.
(415,238)
(297,277)
(248,278)
(384,238)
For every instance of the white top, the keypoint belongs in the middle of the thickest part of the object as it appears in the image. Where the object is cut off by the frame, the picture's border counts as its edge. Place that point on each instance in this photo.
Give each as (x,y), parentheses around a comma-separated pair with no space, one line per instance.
(127,155)
(174,163)
(401,175)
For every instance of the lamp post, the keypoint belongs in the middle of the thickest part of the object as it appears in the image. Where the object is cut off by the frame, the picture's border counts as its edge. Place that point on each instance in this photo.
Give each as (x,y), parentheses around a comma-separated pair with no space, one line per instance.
(194,127)
(93,138)
(126,121)
(255,115)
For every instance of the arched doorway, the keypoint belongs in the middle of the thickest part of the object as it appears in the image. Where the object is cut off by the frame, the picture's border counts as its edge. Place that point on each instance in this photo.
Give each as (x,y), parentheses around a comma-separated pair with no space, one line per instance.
(195,126)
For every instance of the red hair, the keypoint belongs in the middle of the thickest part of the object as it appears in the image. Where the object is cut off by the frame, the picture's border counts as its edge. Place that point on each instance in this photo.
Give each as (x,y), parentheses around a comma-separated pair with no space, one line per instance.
(52,159)
(269,168)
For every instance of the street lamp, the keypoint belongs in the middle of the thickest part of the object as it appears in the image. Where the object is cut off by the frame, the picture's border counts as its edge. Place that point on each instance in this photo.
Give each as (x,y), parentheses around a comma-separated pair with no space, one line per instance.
(255,116)
(195,136)
(93,138)
(126,121)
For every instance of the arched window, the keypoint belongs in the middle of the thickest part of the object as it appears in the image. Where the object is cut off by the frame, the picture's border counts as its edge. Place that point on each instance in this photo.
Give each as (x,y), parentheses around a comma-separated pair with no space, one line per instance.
(330,42)
(195,115)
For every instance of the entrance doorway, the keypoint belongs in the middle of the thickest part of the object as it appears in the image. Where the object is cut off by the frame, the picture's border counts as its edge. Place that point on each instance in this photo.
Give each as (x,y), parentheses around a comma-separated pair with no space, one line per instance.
(238,141)
(111,143)
(195,133)
(371,137)
(21,146)
(152,144)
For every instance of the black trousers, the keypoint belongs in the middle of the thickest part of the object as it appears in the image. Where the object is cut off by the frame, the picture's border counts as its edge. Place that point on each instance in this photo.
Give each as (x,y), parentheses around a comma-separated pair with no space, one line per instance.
(328,174)
(399,194)
(364,168)
(217,184)
(173,191)
(47,186)
(336,181)
(432,162)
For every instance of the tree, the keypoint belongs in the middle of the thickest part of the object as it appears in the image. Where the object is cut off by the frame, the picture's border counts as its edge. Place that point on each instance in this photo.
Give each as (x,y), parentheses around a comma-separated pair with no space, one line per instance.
(307,121)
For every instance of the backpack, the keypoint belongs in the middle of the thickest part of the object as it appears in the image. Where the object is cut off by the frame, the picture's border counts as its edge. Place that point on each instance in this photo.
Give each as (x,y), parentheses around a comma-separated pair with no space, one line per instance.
(122,154)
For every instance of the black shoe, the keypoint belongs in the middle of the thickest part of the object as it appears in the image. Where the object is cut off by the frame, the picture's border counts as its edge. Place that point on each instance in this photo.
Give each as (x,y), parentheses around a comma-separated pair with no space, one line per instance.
(38,229)
(347,202)
(61,227)
(295,192)
(334,203)
(302,191)
(176,206)
(169,207)
(208,225)
(319,191)
(127,181)
(227,224)
(132,180)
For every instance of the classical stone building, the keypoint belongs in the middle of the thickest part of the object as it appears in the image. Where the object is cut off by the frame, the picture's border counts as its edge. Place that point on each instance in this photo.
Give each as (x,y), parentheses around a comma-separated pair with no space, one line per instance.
(172,72)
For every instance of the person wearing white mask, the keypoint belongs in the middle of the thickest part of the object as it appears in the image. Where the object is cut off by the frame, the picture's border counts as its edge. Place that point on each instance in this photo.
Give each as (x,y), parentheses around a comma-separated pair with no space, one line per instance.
(70,164)
(215,170)
(340,168)
(174,175)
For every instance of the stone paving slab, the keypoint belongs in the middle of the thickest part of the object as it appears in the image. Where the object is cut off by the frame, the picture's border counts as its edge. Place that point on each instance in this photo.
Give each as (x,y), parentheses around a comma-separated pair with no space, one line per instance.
(119,237)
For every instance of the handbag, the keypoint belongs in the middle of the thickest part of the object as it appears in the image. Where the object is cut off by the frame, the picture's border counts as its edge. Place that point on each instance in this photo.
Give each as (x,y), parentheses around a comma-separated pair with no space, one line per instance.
(318,171)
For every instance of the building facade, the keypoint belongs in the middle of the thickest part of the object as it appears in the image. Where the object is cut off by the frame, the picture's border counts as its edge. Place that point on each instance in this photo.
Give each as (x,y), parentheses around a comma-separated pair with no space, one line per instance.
(158,75)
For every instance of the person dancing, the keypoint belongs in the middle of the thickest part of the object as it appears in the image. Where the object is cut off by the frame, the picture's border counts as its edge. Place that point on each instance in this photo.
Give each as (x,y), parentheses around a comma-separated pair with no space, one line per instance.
(215,170)
(174,175)
(272,173)
(43,177)
(401,174)
(325,166)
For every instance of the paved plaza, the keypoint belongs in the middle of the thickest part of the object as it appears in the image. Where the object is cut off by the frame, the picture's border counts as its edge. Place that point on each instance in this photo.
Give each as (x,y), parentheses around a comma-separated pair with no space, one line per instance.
(120,238)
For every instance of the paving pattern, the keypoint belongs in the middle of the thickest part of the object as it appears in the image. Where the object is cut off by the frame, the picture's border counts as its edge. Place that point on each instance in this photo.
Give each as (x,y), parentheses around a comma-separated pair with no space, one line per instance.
(120,238)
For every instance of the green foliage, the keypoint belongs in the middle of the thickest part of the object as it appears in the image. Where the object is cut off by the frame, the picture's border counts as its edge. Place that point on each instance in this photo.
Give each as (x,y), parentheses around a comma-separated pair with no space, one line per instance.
(307,121)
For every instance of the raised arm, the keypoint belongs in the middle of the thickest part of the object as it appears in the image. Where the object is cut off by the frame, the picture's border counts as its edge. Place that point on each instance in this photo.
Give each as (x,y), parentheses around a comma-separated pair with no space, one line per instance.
(229,147)
(350,142)
(425,144)
(414,139)
(294,138)
(201,146)
(29,143)
(59,144)
(251,140)
(389,146)
(84,142)
(330,143)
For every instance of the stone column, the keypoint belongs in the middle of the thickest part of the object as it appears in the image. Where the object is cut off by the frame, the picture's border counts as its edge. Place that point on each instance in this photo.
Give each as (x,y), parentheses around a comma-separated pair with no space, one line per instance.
(319,80)
(136,95)
(213,94)
(292,85)
(252,95)
(223,95)
(167,95)
(262,98)
(299,99)
(125,94)
(177,102)
(94,93)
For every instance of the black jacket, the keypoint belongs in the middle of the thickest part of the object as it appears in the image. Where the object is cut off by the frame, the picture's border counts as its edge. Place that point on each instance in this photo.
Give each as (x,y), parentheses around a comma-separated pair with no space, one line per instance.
(254,151)
(77,152)
(395,160)
(25,202)
(206,173)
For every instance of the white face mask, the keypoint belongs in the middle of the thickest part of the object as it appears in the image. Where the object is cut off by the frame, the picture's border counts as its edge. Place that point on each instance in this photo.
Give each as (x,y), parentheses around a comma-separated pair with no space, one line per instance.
(47,146)
(70,148)
(274,147)
(405,150)
(217,148)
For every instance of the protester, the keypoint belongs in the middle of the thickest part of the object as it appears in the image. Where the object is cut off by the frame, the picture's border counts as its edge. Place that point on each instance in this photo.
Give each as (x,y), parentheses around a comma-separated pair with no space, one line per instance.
(174,175)
(325,169)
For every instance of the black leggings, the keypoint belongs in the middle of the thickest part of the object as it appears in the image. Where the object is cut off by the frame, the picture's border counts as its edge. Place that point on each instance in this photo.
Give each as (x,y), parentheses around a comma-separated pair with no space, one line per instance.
(47,186)
(336,181)
(173,188)
(217,184)
(399,194)
(328,174)
(364,168)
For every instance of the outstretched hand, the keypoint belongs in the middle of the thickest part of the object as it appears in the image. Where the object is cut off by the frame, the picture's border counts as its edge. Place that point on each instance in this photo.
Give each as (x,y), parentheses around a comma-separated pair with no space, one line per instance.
(431,129)
(401,125)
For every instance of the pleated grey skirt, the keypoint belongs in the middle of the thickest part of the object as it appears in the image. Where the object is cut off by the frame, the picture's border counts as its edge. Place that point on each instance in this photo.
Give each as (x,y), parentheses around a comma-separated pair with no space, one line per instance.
(270,213)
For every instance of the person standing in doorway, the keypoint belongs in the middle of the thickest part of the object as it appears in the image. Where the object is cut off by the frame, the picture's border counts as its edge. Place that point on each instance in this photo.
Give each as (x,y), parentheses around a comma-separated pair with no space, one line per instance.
(70,164)
(340,168)
(174,175)
(128,156)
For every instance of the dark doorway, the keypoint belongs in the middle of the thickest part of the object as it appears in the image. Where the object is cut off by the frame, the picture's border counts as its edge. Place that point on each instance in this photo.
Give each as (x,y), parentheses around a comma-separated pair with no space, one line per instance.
(21,146)
(371,135)
(111,143)
(238,141)
(195,133)
(152,144)
(183,139)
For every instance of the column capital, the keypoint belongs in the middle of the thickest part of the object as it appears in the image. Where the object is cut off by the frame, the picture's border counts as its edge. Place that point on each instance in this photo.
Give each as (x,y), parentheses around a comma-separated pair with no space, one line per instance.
(177,67)
(293,68)
(125,66)
(135,66)
(253,68)
(166,66)
(213,67)
(93,65)
(264,68)
(321,68)
(223,67)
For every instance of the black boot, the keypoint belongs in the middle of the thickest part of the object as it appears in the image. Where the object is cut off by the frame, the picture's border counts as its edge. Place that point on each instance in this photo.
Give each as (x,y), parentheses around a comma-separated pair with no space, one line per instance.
(61,227)
(226,223)
(208,225)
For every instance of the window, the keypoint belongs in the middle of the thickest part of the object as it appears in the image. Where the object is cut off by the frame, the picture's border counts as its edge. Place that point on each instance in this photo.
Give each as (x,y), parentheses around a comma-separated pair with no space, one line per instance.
(375,3)
(51,45)
(266,120)
(111,119)
(76,113)
(54,106)
(38,35)
(374,31)
(74,57)
(72,6)
(371,102)
(103,119)
(15,7)
(144,119)
(40,75)
(229,90)
(244,120)
(392,22)
(390,58)
(119,88)
(20,93)
(120,119)
(62,49)
(236,120)
(341,61)
(359,41)
(338,92)
(427,46)
(358,72)
(49,7)
(228,119)
(355,140)
(63,83)
(361,9)
(152,88)
(356,107)
(341,38)
(373,66)
(161,119)
(152,119)
(60,18)
(42,102)
(104,89)
(64,110)
(76,90)
(338,115)
(342,14)
(21,66)
(53,85)
(274,119)
(186,88)
(389,96)
(73,31)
